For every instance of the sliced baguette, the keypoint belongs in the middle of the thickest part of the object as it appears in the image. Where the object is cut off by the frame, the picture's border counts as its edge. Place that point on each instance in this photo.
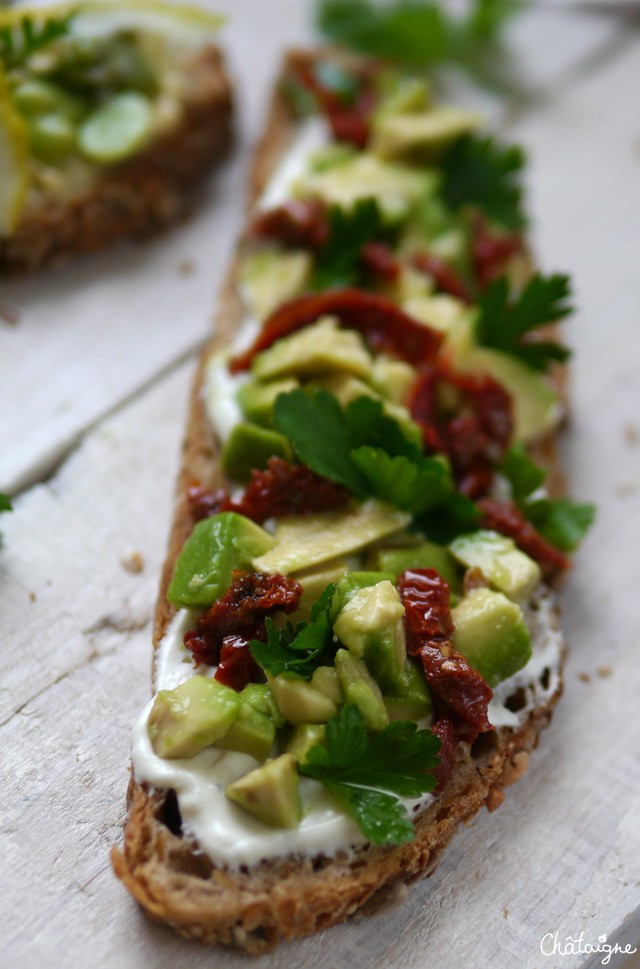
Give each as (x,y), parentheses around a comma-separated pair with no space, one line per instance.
(255,908)
(141,196)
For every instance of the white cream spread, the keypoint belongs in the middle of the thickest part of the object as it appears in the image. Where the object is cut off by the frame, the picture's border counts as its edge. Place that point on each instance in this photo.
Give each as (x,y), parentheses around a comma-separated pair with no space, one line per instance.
(311,137)
(231,837)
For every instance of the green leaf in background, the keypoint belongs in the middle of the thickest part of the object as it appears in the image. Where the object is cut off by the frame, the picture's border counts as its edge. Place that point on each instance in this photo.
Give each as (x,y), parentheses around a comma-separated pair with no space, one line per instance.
(19,41)
(5,503)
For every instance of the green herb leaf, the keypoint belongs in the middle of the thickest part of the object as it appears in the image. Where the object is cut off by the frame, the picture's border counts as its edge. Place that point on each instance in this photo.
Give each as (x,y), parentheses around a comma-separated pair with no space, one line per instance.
(300,650)
(503,322)
(365,772)
(18,42)
(480,172)
(5,503)
(454,516)
(561,521)
(367,424)
(338,261)
(413,486)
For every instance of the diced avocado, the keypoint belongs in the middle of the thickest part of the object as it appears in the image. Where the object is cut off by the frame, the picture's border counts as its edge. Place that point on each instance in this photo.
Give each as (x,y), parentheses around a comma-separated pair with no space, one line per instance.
(490,632)
(249,447)
(269,277)
(325,680)
(299,702)
(395,135)
(434,228)
(320,348)
(271,793)
(393,379)
(504,566)
(346,388)
(216,547)
(396,187)
(415,702)
(251,733)
(192,716)
(260,697)
(536,408)
(370,626)
(440,311)
(350,584)
(302,543)
(256,400)
(360,688)
(405,94)
(427,555)
(313,584)
(304,737)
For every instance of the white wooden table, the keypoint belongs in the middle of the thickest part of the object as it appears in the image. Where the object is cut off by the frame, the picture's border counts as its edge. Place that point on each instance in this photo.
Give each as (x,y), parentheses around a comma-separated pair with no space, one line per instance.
(93,383)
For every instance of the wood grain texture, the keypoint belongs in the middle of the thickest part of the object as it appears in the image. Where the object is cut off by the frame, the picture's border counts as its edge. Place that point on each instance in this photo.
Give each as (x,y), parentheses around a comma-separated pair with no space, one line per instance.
(563,853)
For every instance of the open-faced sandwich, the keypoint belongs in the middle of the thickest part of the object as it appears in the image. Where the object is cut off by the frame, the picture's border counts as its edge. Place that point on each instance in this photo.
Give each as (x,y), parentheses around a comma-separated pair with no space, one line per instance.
(357,643)
(109,112)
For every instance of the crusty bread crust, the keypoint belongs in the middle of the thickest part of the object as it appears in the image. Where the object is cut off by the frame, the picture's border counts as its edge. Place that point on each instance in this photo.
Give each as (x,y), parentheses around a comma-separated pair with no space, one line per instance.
(141,196)
(255,908)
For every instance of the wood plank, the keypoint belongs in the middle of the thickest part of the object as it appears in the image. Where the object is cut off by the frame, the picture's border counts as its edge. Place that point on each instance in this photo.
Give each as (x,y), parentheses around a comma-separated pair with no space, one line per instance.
(91,335)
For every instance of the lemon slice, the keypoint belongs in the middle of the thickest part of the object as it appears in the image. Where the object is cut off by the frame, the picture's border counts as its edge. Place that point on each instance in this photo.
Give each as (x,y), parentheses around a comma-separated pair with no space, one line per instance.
(182,22)
(14,152)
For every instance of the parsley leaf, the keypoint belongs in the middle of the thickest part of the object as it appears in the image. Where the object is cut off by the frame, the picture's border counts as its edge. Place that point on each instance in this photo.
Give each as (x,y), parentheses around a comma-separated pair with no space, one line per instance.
(300,650)
(413,486)
(338,261)
(364,773)
(561,521)
(479,171)
(5,503)
(454,516)
(18,42)
(504,321)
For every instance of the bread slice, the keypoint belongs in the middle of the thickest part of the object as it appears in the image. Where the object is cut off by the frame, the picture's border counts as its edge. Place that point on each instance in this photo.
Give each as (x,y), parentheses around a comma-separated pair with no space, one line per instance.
(254,908)
(140,196)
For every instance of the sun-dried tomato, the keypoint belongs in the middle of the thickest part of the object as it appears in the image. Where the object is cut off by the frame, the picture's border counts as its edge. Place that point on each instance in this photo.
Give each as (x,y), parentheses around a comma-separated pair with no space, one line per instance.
(204,502)
(490,252)
(349,120)
(384,325)
(237,666)
(297,223)
(457,687)
(468,417)
(444,276)
(288,489)
(378,259)
(250,598)
(506,518)
(445,730)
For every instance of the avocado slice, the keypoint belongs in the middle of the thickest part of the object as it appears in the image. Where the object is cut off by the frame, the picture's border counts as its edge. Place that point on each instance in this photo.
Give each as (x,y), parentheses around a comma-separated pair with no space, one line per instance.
(313,585)
(194,715)
(251,733)
(370,626)
(301,543)
(216,547)
(271,793)
(256,400)
(501,562)
(415,703)
(298,701)
(360,688)
(249,448)
(260,697)
(427,555)
(303,738)
(425,133)
(321,348)
(270,277)
(491,633)
(353,582)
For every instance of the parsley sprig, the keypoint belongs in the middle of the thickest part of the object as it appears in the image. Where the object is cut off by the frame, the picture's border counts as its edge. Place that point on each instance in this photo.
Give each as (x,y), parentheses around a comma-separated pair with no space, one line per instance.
(368,774)
(19,41)
(301,649)
(479,171)
(504,322)
(338,262)
(561,521)
(363,449)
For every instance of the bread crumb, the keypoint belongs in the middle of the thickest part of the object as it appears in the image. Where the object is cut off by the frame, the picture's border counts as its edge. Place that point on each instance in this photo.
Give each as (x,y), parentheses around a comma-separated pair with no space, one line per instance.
(604,671)
(495,798)
(505,913)
(631,434)
(9,314)
(625,488)
(133,562)
(584,677)
(517,766)
(187,267)
(32,597)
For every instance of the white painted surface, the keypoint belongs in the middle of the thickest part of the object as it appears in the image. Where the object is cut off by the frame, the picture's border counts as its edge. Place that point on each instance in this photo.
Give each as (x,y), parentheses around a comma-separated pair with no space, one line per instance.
(563,853)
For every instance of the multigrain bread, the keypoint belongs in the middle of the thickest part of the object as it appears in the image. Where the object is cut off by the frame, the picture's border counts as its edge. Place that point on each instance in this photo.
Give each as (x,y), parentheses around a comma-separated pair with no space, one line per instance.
(254,908)
(140,196)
